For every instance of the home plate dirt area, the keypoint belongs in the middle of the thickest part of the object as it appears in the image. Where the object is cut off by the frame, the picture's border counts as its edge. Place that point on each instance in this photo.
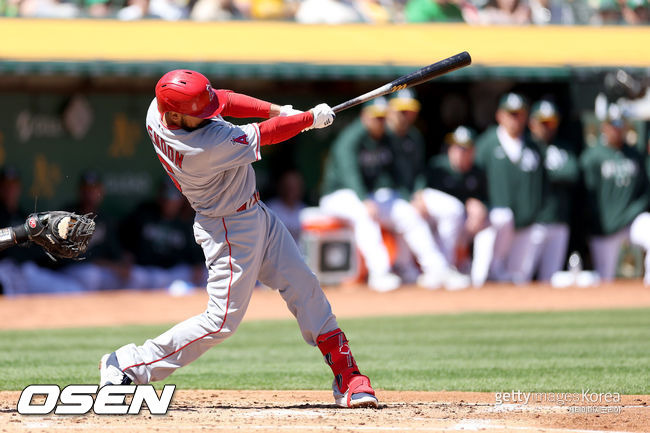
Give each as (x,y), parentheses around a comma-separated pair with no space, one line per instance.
(313,411)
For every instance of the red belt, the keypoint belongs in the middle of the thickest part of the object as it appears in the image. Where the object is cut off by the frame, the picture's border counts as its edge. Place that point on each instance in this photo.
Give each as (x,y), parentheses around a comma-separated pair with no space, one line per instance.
(251,201)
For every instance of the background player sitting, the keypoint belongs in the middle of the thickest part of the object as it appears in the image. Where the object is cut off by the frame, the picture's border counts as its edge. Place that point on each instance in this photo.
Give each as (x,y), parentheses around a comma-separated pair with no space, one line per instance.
(161,243)
(360,184)
(454,196)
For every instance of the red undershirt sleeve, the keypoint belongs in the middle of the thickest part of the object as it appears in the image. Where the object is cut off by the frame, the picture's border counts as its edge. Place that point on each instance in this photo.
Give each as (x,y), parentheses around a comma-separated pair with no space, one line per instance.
(283,128)
(239,105)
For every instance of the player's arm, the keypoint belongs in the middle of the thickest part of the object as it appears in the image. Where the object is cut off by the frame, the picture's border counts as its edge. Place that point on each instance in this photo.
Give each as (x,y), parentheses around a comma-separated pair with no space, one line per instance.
(344,154)
(282,128)
(239,105)
(590,170)
(239,145)
(11,236)
(562,165)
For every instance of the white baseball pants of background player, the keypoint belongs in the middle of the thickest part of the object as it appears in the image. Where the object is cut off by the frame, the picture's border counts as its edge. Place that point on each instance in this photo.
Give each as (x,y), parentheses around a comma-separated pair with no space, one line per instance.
(396,214)
(239,249)
(345,204)
(605,249)
(447,214)
(540,248)
(492,246)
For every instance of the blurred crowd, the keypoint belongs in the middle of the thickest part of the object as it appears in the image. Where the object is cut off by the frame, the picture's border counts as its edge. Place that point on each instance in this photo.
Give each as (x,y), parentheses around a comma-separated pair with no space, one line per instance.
(494,206)
(476,12)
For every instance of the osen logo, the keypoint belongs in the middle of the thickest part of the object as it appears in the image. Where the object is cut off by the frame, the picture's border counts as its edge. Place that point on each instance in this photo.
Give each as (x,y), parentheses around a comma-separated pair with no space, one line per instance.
(80,399)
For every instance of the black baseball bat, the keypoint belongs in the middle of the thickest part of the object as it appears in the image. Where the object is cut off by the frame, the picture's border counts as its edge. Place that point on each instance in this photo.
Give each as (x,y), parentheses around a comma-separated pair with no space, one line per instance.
(413,79)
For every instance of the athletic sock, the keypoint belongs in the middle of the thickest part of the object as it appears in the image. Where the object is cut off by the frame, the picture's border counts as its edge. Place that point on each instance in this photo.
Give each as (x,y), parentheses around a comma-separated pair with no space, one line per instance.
(336,351)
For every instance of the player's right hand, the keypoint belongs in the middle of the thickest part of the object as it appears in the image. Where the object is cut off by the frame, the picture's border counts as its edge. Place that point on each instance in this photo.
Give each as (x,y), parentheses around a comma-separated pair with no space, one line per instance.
(323,116)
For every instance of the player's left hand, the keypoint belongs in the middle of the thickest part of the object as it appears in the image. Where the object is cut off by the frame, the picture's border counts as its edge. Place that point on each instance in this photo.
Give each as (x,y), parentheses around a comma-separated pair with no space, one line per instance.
(288,110)
(61,234)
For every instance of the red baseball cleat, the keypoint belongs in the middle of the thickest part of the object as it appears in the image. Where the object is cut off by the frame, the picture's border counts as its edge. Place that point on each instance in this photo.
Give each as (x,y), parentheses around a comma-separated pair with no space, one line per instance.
(358,394)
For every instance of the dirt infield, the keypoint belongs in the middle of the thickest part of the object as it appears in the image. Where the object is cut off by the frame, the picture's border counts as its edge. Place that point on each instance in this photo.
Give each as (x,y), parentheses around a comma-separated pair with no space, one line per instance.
(313,411)
(156,307)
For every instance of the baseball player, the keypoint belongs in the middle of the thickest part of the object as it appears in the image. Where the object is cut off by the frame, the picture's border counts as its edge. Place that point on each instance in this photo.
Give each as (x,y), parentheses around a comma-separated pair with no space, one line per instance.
(410,148)
(209,160)
(160,240)
(453,199)
(105,267)
(515,176)
(361,184)
(617,193)
(550,235)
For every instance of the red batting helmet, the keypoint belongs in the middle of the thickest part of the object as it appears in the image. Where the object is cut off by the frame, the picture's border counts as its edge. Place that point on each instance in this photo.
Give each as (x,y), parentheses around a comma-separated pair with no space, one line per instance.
(189,92)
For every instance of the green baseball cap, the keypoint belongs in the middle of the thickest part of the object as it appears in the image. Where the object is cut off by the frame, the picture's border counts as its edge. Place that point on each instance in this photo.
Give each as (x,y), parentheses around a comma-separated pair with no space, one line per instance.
(608,5)
(544,110)
(404,100)
(513,102)
(633,4)
(376,107)
(462,136)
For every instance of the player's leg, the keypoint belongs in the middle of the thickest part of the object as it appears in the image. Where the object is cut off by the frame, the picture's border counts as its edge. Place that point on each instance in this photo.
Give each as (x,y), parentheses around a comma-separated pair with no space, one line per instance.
(640,235)
(604,253)
(525,252)
(284,269)
(408,223)
(554,250)
(233,257)
(491,247)
(448,213)
(367,235)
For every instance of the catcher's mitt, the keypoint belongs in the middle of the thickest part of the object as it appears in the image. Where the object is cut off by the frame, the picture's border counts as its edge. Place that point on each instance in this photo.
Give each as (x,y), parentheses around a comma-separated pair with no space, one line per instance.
(61,234)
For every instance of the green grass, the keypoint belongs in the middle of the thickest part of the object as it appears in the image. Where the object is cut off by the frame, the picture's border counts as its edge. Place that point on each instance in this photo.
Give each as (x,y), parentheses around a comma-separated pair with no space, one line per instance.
(604,351)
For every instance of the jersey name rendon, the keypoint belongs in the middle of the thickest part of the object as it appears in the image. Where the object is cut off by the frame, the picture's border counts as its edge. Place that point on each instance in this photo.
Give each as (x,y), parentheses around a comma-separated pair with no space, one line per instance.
(172,154)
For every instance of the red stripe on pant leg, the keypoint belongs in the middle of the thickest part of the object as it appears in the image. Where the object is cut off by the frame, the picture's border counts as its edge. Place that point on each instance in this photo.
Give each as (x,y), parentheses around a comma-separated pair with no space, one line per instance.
(225,316)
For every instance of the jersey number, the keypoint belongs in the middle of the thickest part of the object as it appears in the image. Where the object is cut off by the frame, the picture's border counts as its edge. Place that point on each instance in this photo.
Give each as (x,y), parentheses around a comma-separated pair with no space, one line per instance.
(170,172)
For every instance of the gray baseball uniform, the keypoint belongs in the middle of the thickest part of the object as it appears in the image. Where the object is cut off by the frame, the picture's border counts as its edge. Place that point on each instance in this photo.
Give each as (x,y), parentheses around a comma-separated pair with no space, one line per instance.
(242,240)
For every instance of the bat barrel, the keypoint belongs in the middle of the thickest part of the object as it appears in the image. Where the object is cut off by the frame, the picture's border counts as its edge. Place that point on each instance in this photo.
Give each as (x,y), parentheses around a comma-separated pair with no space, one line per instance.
(432,71)
(420,76)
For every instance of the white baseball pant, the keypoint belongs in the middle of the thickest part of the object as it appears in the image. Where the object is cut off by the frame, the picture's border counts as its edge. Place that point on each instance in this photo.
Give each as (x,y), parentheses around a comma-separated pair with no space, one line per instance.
(492,246)
(239,249)
(447,214)
(540,248)
(605,249)
(394,213)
